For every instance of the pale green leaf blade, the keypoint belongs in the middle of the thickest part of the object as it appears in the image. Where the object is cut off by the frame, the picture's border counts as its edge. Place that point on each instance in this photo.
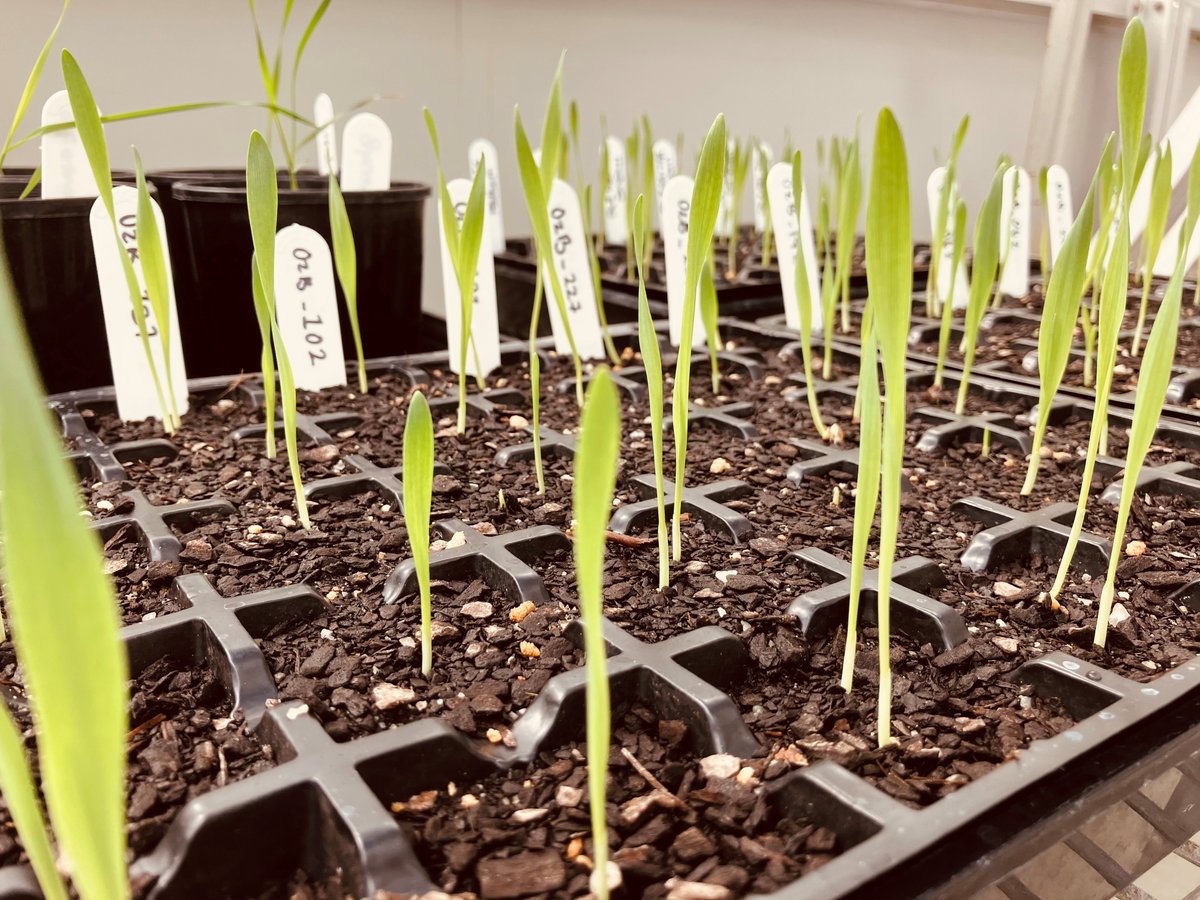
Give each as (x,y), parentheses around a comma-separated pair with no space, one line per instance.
(418,498)
(1131,97)
(595,477)
(87,123)
(64,621)
(31,83)
(16,786)
(262,203)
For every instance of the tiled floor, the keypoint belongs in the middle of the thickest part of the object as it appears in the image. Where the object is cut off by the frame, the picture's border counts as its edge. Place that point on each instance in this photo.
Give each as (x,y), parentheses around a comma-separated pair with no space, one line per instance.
(1175,878)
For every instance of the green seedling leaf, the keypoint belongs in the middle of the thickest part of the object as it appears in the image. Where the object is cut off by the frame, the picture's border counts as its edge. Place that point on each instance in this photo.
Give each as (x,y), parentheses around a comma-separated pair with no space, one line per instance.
(91,134)
(849,205)
(1131,101)
(984,269)
(942,219)
(889,281)
(1060,309)
(154,272)
(313,22)
(957,252)
(804,302)
(262,204)
(31,83)
(1044,197)
(65,625)
(536,187)
(345,260)
(706,201)
(595,479)
(1153,379)
(418,506)
(1152,237)
(708,315)
(652,364)
(20,796)
(866,497)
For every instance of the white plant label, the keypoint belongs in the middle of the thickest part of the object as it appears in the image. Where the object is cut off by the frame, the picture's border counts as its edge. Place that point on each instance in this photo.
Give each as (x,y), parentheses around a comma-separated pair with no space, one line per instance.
(482,148)
(793,234)
(326,141)
(569,255)
(1060,214)
(1014,232)
(762,154)
(616,198)
(666,167)
(676,216)
(483,353)
(366,154)
(65,168)
(306,308)
(725,210)
(946,258)
(132,377)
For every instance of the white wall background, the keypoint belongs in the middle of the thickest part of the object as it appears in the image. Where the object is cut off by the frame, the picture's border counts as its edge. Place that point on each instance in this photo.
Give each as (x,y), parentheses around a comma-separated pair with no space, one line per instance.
(813,67)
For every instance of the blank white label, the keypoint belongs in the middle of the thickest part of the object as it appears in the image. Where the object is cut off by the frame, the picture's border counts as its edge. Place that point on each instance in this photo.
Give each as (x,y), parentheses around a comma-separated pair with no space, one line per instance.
(569,255)
(482,148)
(132,376)
(1014,227)
(306,308)
(616,229)
(65,168)
(946,258)
(1059,212)
(666,167)
(761,153)
(793,233)
(326,141)
(366,154)
(1182,136)
(485,328)
(676,216)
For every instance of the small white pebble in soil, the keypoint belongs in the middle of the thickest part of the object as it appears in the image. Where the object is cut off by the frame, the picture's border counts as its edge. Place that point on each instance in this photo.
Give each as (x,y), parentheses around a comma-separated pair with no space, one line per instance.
(526,816)
(614,878)
(148,616)
(254,529)
(721,613)
(477,609)
(389,696)
(1118,615)
(1150,664)
(1124,595)
(719,466)
(468,801)
(458,539)
(1007,644)
(485,528)
(720,765)
(105,505)
(1135,548)
(326,634)
(723,575)
(518,423)
(1026,702)
(1000,623)
(1004,589)
(333,594)
(287,521)
(568,797)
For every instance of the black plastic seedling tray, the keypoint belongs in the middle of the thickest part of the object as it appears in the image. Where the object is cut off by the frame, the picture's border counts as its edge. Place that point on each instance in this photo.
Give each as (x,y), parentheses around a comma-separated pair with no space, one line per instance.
(323,807)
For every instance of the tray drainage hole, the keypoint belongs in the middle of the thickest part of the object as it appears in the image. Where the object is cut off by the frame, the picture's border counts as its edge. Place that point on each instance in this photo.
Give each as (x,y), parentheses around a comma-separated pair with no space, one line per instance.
(1150,692)
(1070,664)
(1175,676)
(1106,715)
(1073,736)
(1094,675)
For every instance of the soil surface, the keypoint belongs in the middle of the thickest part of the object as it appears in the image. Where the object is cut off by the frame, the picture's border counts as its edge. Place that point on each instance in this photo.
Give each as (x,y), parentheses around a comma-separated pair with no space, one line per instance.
(956,715)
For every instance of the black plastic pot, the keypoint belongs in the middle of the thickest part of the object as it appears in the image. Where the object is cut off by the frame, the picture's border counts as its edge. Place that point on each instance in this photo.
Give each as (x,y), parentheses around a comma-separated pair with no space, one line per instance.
(212,272)
(753,295)
(49,248)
